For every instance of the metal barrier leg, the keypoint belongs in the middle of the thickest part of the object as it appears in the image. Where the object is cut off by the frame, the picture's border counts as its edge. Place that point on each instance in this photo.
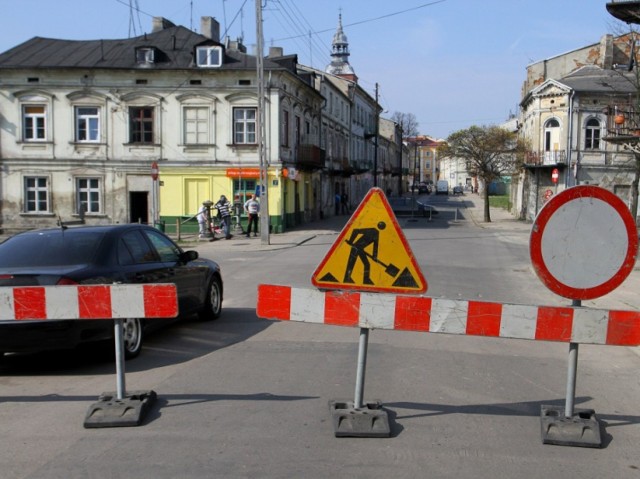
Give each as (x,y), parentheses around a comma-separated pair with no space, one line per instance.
(571,380)
(362,367)
(357,418)
(119,340)
(571,427)
(119,409)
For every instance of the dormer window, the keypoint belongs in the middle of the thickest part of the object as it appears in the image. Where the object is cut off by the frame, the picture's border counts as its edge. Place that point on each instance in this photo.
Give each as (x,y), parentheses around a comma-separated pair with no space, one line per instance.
(209,56)
(145,55)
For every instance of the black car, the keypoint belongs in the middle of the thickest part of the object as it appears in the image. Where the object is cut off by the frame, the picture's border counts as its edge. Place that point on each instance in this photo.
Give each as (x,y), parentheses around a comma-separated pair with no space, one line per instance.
(424,188)
(129,253)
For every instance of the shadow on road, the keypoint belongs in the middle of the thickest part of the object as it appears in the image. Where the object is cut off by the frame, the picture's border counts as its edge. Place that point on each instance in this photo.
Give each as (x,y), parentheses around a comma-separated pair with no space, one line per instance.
(179,342)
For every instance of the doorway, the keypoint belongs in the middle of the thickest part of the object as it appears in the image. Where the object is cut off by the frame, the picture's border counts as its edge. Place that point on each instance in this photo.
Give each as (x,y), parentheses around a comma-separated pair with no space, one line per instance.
(139,207)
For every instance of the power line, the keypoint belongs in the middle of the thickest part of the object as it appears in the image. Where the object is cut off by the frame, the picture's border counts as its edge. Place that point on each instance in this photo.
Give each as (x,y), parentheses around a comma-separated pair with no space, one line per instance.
(296,22)
(371,19)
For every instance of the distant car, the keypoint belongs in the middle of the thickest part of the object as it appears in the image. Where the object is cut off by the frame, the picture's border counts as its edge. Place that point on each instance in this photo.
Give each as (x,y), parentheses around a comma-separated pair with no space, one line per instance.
(458,190)
(442,187)
(129,253)
(421,188)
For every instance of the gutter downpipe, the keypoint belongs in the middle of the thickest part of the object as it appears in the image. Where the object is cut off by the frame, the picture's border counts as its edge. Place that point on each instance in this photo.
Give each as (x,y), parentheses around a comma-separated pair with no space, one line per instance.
(574,181)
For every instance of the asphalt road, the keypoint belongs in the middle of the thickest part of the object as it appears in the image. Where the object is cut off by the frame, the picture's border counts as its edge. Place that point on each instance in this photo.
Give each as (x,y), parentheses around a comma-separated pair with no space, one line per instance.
(245,397)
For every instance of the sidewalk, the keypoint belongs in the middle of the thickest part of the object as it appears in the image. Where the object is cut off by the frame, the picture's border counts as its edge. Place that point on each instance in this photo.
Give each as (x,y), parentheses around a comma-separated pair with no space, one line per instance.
(471,204)
(293,237)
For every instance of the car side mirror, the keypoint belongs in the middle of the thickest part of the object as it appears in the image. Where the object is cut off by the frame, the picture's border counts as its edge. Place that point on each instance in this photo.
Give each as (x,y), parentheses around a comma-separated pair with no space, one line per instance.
(190,255)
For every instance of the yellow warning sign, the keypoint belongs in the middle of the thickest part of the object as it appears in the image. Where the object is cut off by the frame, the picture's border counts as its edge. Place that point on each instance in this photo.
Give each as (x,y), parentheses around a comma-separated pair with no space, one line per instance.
(371,253)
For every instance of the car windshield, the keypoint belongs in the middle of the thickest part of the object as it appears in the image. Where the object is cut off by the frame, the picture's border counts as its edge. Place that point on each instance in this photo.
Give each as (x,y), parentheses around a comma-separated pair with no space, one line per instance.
(49,248)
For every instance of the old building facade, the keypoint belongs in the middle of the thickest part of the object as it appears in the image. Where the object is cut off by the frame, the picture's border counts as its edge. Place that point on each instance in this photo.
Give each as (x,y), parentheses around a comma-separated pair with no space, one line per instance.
(572,105)
(146,129)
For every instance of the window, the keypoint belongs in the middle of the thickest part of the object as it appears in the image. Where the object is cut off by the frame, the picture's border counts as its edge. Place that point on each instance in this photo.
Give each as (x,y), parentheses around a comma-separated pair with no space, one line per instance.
(285,128)
(88,195)
(34,122)
(244,188)
(551,135)
(134,249)
(141,125)
(36,194)
(592,135)
(169,252)
(210,57)
(196,125)
(244,125)
(145,55)
(87,124)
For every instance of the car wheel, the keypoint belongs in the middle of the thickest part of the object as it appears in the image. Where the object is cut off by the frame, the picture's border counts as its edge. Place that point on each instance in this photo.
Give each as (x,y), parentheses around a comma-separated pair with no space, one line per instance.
(213,301)
(132,333)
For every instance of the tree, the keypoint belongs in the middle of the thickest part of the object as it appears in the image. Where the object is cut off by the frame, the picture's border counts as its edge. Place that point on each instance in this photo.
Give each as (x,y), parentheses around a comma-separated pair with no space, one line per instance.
(490,152)
(407,121)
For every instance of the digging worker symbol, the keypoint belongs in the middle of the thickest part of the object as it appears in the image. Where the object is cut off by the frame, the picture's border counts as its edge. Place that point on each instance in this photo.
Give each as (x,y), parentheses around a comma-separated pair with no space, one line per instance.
(360,239)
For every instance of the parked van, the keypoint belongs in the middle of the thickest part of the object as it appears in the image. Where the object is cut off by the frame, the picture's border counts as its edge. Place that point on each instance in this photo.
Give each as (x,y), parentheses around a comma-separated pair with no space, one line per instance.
(442,186)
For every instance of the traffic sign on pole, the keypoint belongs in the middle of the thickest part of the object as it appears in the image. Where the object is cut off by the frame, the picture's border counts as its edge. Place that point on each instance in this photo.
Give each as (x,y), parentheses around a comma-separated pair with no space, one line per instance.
(371,253)
(583,243)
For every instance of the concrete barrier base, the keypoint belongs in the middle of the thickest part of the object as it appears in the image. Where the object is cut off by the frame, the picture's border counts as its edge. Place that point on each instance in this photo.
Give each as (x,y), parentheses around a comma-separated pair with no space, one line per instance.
(112,412)
(582,429)
(368,421)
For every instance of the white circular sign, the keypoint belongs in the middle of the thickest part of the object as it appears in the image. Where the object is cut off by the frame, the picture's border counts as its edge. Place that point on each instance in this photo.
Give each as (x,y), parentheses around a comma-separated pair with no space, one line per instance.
(584,242)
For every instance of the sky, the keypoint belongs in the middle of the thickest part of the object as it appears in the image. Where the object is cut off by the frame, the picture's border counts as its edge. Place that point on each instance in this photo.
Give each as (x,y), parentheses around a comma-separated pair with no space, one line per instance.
(451,63)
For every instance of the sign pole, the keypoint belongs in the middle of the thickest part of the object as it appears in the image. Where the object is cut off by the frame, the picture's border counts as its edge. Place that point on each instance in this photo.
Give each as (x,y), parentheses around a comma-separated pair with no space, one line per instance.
(570,218)
(119,340)
(572,372)
(571,380)
(362,367)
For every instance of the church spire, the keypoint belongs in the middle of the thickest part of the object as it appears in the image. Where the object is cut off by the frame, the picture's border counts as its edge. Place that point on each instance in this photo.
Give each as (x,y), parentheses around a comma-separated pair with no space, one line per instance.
(340,55)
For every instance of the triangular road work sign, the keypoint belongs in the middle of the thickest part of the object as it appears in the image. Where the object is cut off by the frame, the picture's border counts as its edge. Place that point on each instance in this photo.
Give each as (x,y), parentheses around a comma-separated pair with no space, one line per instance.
(371,253)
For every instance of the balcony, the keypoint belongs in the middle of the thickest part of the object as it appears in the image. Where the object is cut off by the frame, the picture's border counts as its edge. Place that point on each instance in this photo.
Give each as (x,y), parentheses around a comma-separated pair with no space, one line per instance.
(623,123)
(625,10)
(309,157)
(340,167)
(545,158)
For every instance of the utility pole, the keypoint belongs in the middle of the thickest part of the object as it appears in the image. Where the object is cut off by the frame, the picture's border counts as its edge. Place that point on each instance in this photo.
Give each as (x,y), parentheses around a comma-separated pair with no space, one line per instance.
(375,142)
(264,167)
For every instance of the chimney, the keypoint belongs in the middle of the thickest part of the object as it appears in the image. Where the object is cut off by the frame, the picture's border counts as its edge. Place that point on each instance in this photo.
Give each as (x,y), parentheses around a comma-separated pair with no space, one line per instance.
(275,52)
(160,23)
(606,52)
(235,45)
(210,28)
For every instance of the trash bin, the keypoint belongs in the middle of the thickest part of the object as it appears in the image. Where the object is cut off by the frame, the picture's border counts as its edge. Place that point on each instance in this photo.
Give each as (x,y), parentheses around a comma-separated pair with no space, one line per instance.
(160,225)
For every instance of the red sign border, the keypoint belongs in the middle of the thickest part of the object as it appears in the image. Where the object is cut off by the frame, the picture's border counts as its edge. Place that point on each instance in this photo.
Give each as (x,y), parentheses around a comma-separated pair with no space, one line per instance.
(541,221)
(343,233)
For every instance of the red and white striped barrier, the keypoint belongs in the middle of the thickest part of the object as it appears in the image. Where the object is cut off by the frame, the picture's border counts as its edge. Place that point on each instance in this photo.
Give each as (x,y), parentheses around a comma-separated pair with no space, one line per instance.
(110,301)
(477,318)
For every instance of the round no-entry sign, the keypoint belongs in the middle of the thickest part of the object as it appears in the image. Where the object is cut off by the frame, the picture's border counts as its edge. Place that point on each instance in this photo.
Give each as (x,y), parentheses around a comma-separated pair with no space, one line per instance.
(584,243)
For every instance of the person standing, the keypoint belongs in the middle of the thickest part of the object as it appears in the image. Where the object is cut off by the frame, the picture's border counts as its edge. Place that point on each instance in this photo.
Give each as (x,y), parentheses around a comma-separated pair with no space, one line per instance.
(224,209)
(204,219)
(344,202)
(252,208)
